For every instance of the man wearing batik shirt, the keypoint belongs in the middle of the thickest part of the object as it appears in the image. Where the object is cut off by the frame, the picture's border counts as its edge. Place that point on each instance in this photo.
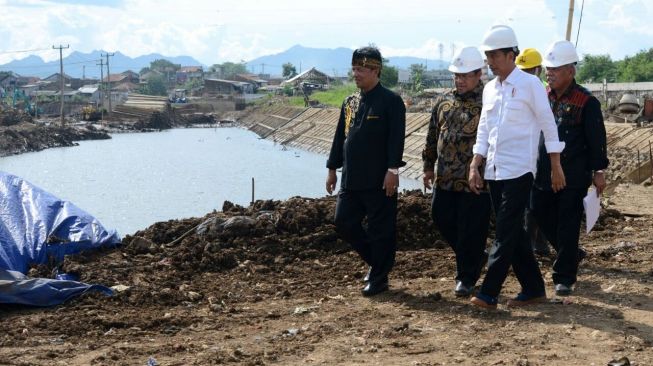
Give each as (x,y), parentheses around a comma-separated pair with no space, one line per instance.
(461,216)
(580,126)
(368,145)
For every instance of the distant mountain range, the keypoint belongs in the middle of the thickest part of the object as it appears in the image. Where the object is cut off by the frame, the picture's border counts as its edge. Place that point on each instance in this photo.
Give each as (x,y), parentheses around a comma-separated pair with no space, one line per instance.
(334,62)
(78,64)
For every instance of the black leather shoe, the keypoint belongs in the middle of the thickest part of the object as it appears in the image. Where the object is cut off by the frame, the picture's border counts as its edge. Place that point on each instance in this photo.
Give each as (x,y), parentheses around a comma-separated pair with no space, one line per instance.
(463,290)
(375,287)
(367,276)
(563,290)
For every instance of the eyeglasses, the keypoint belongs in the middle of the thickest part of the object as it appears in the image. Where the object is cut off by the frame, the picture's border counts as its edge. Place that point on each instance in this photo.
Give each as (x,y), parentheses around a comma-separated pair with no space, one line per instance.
(466,76)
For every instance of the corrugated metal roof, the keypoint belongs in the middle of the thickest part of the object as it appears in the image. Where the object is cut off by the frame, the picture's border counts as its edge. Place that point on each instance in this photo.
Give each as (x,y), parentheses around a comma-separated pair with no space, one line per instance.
(597,87)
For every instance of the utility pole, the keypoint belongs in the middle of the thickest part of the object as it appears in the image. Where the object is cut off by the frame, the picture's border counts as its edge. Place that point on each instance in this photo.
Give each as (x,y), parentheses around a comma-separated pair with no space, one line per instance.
(83,73)
(107,55)
(569,19)
(60,48)
(101,64)
(441,52)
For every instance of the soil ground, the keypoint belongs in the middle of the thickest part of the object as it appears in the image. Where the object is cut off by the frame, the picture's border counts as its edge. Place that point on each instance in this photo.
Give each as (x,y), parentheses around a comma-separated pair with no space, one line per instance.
(274,286)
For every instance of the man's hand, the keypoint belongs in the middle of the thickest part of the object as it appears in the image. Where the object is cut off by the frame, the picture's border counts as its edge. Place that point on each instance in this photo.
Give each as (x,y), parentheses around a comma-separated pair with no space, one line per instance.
(331,181)
(558,181)
(390,183)
(429,177)
(599,182)
(475,181)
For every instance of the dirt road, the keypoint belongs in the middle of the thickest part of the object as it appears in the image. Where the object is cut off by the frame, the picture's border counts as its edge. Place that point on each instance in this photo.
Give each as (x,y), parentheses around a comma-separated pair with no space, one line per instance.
(274,286)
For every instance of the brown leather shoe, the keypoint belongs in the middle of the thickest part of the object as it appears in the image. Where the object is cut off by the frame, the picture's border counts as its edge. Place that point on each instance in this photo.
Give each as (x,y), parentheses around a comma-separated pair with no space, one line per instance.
(482,303)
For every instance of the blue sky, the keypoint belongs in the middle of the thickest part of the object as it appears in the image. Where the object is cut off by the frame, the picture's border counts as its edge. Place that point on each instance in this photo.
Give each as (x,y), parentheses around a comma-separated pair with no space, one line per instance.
(215,31)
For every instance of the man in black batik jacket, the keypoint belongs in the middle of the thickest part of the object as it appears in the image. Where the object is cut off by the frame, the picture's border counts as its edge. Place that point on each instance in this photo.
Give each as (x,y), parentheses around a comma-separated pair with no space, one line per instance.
(368,145)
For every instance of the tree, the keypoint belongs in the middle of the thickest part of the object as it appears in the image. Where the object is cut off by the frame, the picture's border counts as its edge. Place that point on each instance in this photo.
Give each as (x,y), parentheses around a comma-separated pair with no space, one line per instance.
(416,76)
(637,68)
(228,70)
(144,71)
(389,74)
(163,65)
(289,70)
(155,86)
(596,68)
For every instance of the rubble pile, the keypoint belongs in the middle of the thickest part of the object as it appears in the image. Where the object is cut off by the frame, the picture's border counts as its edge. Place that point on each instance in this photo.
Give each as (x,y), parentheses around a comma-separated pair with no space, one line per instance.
(27,137)
(156,120)
(623,161)
(13,117)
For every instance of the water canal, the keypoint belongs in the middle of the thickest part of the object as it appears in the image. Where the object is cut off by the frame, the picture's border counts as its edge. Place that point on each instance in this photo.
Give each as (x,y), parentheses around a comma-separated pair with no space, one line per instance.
(134,180)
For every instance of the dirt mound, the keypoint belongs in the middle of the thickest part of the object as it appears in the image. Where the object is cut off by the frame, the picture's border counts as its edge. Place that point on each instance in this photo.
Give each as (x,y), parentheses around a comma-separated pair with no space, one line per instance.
(27,137)
(272,284)
(197,119)
(12,117)
(155,121)
(270,232)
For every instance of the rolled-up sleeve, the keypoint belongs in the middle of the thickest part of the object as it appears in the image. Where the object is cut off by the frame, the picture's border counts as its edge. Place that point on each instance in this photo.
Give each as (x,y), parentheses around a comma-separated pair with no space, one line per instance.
(546,120)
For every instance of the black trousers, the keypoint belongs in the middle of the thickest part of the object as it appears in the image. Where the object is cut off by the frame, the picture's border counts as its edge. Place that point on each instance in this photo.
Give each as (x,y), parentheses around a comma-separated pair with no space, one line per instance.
(535,235)
(512,247)
(377,244)
(463,219)
(559,217)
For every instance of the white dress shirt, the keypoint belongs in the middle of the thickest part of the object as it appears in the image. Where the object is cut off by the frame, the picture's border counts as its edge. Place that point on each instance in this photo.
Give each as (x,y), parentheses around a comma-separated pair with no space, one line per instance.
(514,112)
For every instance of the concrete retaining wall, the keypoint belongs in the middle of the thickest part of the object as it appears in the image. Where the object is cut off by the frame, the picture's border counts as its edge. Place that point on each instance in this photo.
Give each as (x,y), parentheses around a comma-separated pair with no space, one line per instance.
(312,129)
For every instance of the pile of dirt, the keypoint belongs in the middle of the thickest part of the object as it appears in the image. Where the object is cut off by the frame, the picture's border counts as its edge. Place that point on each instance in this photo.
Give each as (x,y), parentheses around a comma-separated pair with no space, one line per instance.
(155,121)
(270,232)
(12,117)
(272,284)
(622,162)
(197,119)
(27,137)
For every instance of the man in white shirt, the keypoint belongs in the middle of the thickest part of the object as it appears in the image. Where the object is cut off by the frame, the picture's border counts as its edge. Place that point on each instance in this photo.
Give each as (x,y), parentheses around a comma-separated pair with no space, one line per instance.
(515,110)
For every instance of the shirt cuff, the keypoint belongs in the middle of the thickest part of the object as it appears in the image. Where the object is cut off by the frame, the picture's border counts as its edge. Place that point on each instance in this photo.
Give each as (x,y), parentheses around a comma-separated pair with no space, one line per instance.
(481,150)
(554,146)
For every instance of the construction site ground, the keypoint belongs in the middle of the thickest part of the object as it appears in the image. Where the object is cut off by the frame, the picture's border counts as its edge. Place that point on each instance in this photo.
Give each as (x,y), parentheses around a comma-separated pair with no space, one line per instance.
(271,284)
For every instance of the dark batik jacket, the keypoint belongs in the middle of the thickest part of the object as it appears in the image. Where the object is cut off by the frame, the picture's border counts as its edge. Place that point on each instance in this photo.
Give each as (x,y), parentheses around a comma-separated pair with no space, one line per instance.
(451,136)
(580,125)
(369,138)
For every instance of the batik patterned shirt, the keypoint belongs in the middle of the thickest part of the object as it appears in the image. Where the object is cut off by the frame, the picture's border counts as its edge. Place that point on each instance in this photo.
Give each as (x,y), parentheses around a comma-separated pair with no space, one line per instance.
(450,138)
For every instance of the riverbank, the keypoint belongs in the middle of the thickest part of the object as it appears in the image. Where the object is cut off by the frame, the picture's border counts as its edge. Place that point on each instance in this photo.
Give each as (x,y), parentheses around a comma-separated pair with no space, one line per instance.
(271,284)
(21,133)
(28,137)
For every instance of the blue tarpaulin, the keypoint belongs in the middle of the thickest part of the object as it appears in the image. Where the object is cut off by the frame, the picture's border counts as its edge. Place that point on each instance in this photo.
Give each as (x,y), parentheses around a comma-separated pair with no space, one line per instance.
(36,228)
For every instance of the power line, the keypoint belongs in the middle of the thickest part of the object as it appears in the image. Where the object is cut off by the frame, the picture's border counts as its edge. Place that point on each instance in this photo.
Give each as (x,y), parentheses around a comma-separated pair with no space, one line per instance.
(23,51)
(582,6)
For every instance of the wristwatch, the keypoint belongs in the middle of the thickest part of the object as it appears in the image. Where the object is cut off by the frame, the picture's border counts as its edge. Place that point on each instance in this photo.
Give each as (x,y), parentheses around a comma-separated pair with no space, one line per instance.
(394,171)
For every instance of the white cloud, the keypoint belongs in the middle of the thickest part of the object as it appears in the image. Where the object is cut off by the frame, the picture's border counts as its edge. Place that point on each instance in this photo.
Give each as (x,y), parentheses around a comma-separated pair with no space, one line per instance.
(233,30)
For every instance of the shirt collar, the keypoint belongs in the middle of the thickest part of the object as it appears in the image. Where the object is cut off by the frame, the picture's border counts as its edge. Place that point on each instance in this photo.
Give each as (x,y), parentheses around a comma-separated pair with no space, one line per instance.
(514,76)
(372,92)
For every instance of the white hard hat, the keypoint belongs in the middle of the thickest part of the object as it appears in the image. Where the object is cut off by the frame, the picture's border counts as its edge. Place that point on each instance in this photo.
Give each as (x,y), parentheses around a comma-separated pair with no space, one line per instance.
(560,53)
(499,36)
(465,60)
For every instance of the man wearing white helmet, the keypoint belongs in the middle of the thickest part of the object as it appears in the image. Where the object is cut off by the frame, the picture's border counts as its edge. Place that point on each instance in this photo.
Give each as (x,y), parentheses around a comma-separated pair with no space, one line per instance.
(580,126)
(461,216)
(515,110)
